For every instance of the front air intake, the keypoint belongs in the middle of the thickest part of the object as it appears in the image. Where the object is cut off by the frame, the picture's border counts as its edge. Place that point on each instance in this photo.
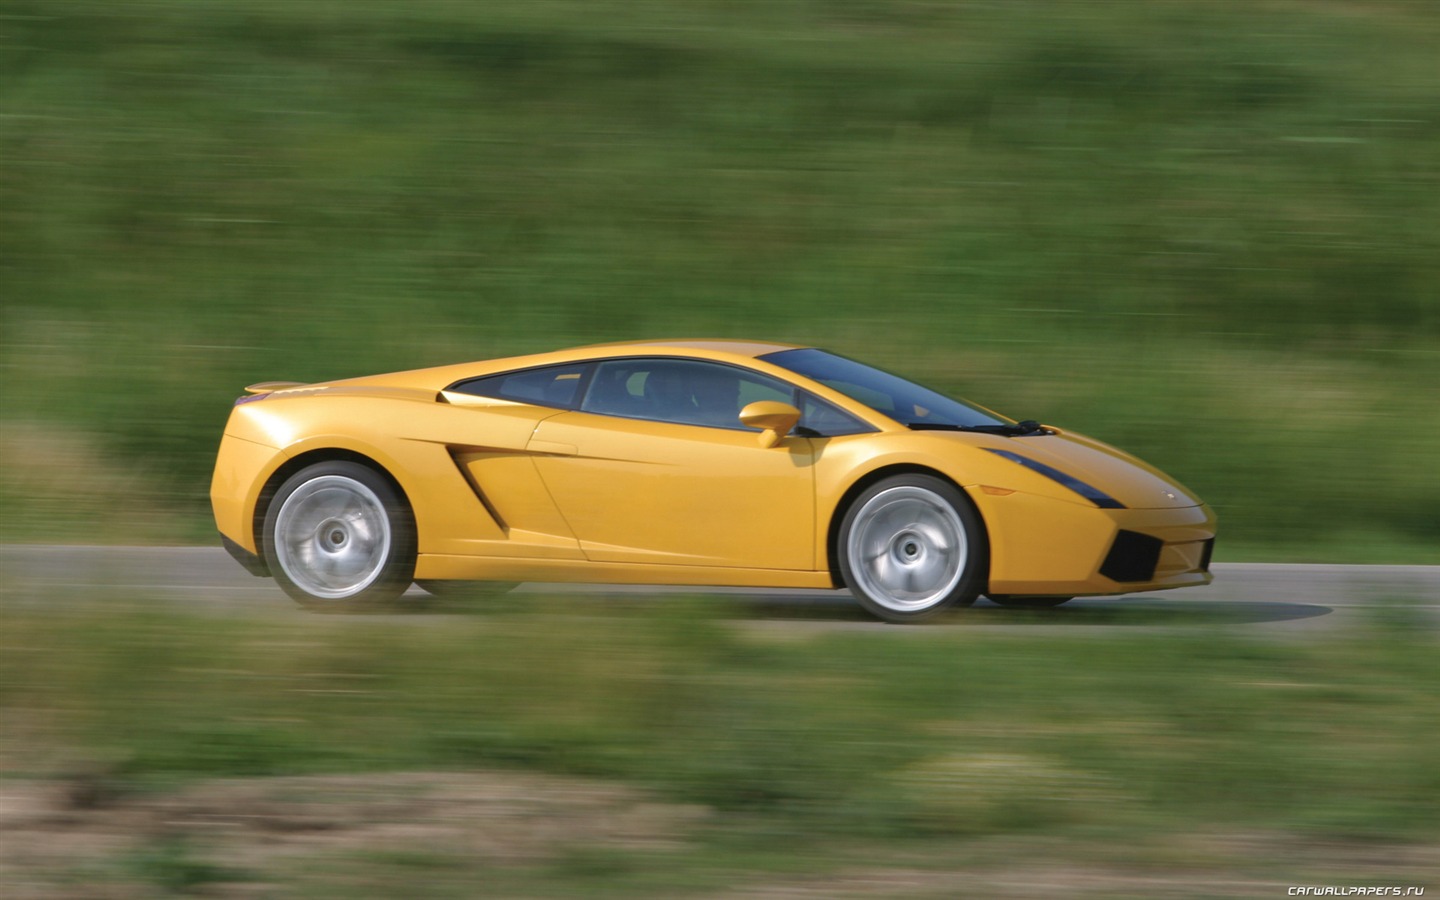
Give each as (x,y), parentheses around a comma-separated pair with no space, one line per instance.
(1205,556)
(1132,557)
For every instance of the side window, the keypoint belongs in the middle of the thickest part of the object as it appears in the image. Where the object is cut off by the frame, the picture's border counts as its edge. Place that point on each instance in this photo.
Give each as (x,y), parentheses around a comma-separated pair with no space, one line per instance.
(551,386)
(691,392)
(822,419)
(683,391)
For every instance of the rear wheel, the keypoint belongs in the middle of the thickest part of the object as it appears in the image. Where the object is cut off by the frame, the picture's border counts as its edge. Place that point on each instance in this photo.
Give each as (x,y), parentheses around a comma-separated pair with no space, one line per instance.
(911,546)
(339,536)
(1015,602)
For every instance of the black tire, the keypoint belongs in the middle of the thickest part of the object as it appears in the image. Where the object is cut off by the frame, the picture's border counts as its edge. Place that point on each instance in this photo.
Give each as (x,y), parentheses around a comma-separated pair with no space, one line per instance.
(339,537)
(465,590)
(1014,602)
(912,546)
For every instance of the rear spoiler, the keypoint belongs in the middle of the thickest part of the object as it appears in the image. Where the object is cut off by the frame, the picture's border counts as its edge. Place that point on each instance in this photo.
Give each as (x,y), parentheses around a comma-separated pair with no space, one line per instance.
(265,387)
(297,388)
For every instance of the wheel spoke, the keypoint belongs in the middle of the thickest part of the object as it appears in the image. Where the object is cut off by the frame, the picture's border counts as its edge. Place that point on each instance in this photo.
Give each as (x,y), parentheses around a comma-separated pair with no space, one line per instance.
(328,504)
(936,534)
(362,531)
(304,551)
(875,542)
(884,569)
(891,518)
(910,580)
(326,568)
(931,571)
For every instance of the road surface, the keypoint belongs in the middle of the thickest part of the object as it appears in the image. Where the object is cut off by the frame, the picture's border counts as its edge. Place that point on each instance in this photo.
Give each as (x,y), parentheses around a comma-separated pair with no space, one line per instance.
(1276,599)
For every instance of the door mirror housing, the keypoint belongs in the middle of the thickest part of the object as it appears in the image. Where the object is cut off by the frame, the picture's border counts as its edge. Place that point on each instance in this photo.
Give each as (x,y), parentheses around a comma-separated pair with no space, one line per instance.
(775,419)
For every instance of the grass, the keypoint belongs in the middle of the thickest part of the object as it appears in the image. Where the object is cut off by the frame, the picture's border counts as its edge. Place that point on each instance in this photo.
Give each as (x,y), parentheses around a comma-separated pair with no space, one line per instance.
(1204,231)
(170,865)
(921,746)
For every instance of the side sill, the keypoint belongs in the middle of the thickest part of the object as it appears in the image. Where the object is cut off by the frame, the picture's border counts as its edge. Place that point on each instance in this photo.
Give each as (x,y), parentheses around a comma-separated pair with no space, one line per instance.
(494,568)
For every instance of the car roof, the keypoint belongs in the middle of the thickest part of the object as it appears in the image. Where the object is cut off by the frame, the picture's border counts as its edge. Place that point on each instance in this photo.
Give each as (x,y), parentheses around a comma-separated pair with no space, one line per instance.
(730,346)
(703,348)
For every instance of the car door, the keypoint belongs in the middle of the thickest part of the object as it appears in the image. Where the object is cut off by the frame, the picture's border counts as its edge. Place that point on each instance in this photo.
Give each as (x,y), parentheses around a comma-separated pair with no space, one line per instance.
(485,424)
(655,468)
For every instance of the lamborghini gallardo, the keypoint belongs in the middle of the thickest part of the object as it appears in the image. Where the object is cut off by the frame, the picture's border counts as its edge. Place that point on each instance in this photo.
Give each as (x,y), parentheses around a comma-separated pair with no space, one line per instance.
(689,462)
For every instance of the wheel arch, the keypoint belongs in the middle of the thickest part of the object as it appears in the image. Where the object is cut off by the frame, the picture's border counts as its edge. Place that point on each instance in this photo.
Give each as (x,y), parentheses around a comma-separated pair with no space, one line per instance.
(305,460)
(837,515)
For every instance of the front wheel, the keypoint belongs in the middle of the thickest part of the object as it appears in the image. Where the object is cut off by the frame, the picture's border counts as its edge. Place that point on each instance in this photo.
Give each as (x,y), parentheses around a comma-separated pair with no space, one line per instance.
(912,546)
(339,536)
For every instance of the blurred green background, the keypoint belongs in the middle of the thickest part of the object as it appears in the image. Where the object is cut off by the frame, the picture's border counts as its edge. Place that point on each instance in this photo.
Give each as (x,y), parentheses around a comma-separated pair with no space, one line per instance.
(1208,232)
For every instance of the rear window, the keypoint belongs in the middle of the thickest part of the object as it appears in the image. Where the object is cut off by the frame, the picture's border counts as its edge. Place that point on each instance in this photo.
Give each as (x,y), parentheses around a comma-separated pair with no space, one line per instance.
(557,386)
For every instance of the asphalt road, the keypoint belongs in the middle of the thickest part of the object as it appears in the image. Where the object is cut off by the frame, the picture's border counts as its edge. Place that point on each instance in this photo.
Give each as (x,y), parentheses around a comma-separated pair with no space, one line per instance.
(1269,599)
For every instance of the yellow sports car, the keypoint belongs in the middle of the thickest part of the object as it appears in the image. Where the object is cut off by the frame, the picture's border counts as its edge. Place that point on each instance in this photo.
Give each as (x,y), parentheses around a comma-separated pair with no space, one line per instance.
(695,462)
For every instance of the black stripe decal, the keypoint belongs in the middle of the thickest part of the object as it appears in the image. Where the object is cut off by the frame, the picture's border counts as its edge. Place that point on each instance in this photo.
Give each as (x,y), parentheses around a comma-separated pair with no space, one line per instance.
(1089,492)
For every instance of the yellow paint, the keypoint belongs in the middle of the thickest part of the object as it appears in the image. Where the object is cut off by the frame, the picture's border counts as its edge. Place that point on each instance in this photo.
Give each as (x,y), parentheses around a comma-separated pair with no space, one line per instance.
(510,491)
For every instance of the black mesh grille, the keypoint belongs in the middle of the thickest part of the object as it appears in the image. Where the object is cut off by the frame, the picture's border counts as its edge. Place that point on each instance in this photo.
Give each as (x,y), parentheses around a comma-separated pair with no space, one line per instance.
(1132,557)
(1205,555)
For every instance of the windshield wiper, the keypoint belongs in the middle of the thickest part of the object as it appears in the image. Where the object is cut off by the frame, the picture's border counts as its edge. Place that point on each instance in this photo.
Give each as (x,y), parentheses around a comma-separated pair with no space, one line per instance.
(1018,429)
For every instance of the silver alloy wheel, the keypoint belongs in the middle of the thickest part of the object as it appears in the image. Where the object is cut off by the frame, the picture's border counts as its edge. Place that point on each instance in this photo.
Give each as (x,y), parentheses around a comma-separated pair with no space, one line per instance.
(332,537)
(908,548)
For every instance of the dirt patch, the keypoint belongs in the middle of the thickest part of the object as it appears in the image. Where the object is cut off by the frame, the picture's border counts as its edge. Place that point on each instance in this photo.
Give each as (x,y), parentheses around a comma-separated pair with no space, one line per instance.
(79,838)
(1230,865)
(368,835)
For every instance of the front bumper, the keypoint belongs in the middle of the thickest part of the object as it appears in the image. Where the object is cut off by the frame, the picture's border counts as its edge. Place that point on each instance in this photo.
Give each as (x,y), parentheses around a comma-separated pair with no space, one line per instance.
(1042,546)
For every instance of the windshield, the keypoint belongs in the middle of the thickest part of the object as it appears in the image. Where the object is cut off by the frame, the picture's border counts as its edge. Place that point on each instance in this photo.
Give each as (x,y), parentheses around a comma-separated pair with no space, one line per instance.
(904,401)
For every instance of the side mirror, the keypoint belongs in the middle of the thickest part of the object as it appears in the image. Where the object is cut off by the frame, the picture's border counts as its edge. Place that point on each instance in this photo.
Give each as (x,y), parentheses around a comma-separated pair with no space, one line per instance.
(774,418)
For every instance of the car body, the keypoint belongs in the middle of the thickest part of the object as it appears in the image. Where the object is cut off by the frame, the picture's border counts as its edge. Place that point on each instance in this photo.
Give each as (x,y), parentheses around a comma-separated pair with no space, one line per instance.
(630,463)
